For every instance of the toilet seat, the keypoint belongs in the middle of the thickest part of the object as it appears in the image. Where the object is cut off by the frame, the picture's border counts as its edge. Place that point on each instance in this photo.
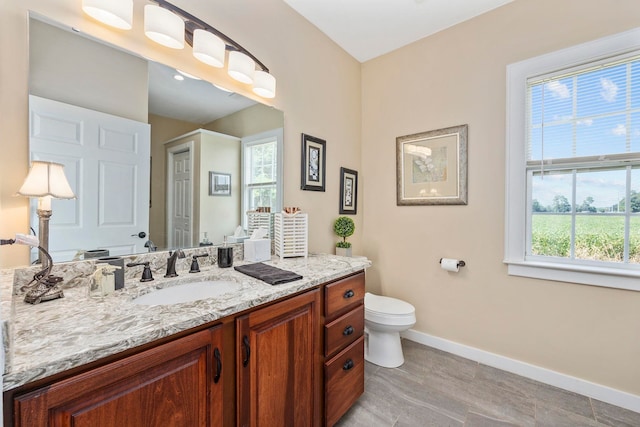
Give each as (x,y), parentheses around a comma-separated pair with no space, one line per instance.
(388,311)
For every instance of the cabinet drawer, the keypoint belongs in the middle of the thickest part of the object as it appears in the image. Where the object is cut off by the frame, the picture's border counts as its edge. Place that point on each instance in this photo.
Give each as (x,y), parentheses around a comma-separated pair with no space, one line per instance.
(344,330)
(344,380)
(343,294)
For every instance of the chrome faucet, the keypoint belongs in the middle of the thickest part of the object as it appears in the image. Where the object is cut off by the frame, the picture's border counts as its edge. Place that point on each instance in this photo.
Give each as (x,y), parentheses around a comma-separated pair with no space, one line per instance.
(171,262)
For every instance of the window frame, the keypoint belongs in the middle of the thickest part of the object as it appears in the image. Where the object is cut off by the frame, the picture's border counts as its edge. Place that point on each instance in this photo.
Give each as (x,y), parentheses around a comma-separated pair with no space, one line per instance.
(516,188)
(248,142)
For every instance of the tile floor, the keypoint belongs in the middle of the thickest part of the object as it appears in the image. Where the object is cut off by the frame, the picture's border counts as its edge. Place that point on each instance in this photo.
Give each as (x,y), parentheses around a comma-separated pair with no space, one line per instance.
(434,388)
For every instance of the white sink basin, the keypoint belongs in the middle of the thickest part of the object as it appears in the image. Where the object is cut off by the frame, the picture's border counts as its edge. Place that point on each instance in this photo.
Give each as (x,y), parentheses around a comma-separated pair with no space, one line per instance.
(187,292)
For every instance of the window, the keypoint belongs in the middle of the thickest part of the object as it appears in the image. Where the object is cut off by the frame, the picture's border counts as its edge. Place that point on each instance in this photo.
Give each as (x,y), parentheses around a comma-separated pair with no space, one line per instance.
(573,164)
(262,172)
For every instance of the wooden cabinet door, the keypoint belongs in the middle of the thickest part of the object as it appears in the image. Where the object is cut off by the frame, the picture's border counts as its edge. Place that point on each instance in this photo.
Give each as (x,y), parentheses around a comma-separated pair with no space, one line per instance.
(177,384)
(278,358)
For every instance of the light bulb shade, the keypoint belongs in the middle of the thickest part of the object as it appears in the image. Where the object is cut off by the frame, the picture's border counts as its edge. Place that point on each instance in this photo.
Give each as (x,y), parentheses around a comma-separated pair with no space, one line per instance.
(46,179)
(115,13)
(163,27)
(264,84)
(241,67)
(208,48)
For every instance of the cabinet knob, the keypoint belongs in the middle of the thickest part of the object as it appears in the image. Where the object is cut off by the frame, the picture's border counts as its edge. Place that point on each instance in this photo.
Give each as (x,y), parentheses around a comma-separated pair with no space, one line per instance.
(347,365)
(218,357)
(348,330)
(349,294)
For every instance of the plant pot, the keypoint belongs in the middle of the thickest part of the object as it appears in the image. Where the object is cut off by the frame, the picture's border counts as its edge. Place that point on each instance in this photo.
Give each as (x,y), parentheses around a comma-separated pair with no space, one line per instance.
(343,251)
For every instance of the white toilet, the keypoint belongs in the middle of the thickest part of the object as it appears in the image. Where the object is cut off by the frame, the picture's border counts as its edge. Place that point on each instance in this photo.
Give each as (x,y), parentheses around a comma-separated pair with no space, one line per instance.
(384,319)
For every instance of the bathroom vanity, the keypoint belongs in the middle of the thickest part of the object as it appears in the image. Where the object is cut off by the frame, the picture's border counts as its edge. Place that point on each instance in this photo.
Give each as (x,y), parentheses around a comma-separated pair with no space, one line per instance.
(288,354)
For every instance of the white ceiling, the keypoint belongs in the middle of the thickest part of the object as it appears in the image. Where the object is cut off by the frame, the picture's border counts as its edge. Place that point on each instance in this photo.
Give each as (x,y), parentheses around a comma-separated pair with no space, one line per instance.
(195,101)
(370,28)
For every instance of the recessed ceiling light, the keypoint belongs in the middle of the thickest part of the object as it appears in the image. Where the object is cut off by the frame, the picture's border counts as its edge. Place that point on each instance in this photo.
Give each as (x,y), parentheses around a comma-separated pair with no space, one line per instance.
(222,88)
(178,77)
(191,76)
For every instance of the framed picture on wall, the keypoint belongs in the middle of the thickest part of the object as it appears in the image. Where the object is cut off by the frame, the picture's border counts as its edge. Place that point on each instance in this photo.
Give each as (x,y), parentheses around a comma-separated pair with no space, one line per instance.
(219,184)
(431,167)
(313,163)
(348,191)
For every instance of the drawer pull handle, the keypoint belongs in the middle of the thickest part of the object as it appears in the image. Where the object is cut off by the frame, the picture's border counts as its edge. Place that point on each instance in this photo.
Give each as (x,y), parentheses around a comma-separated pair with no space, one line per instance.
(348,330)
(349,294)
(247,350)
(216,355)
(347,365)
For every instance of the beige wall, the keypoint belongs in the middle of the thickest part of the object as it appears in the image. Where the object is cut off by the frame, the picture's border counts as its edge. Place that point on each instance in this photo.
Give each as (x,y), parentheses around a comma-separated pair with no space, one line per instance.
(250,121)
(319,91)
(81,72)
(162,129)
(457,77)
(219,215)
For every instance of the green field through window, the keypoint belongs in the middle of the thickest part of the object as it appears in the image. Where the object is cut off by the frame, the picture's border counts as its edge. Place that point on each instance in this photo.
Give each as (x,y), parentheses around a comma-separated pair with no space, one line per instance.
(597,237)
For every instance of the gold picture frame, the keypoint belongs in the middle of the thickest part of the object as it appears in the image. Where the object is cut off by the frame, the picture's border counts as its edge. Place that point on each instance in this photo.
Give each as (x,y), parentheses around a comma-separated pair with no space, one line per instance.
(431,167)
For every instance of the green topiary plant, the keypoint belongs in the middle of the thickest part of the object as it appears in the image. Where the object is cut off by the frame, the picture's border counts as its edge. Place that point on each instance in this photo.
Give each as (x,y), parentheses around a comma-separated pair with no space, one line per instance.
(344,227)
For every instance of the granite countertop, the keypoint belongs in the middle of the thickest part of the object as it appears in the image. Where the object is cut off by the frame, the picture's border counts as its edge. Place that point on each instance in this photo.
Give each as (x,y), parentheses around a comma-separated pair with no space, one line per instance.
(57,335)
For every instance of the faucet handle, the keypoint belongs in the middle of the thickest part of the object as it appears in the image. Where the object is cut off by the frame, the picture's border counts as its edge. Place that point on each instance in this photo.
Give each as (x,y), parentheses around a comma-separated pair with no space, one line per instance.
(146,272)
(195,268)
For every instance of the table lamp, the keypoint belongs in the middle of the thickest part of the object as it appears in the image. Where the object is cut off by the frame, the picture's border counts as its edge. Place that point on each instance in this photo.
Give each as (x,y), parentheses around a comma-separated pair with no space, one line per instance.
(45,180)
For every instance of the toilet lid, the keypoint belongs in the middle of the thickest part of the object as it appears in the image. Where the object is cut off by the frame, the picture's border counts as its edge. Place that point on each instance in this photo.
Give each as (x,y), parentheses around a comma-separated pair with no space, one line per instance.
(386,305)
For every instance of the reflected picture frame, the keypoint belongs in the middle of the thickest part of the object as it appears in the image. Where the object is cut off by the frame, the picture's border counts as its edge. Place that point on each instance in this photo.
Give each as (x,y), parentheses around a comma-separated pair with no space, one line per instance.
(219,184)
(348,191)
(313,162)
(431,167)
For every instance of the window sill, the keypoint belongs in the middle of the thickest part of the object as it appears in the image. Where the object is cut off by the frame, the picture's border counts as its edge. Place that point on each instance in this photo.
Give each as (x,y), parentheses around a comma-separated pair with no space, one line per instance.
(585,275)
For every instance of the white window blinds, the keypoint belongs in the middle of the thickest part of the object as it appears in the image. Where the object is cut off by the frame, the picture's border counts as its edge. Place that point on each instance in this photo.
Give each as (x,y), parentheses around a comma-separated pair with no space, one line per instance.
(585,114)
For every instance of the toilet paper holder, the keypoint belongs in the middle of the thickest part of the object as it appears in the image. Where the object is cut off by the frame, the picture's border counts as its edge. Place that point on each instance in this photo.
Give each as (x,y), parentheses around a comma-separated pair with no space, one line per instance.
(460,263)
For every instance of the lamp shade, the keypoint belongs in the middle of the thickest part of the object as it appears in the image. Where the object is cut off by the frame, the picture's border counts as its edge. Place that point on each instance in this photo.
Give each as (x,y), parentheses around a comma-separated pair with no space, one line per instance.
(264,84)
(46,179)
(241,67)
(163,27)
(115,13)
(208,48)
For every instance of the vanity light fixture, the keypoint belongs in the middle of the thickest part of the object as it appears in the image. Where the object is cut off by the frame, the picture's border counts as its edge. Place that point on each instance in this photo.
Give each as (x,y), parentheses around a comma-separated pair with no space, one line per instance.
(45,180)
(163,27)
(264,84)
(241,67)
(115,13)
(171,26)
(208,48)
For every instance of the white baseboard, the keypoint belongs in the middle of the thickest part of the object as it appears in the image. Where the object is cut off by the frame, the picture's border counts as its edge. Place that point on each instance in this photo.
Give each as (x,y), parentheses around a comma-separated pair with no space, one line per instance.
(547,376)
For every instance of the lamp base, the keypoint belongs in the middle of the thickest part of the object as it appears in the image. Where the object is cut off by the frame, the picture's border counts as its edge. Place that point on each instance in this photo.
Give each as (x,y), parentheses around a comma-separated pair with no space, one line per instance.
(44,290)
(43,230)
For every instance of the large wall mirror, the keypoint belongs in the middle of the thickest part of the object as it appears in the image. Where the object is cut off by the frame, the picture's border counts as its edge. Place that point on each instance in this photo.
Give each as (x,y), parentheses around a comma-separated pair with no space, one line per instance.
(157,158)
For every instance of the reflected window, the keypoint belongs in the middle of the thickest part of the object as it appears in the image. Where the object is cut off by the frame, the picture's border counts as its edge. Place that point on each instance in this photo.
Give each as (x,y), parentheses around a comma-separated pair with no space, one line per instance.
(262,186)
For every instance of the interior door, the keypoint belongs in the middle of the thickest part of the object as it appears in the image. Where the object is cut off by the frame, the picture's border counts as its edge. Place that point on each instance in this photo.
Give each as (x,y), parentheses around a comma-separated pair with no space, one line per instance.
(106,161)
(180,210)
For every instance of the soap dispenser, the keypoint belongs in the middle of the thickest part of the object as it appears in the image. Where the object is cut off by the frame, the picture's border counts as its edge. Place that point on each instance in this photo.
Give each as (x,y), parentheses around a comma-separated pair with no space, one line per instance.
(225,255)
(103,280)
